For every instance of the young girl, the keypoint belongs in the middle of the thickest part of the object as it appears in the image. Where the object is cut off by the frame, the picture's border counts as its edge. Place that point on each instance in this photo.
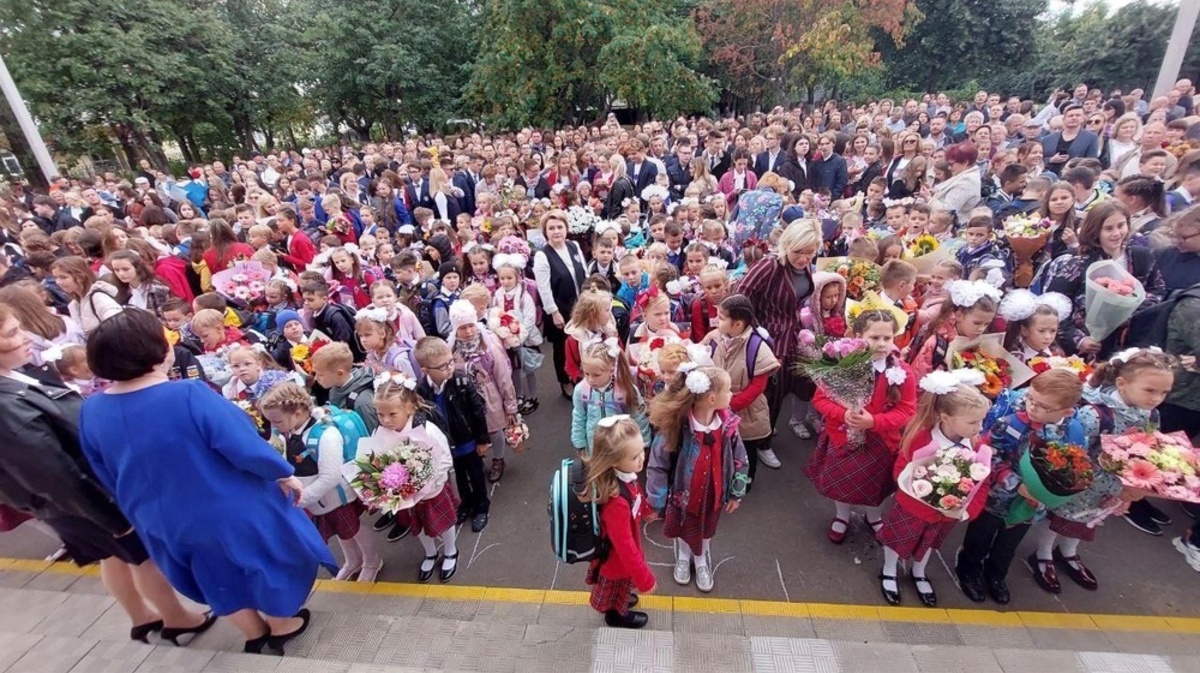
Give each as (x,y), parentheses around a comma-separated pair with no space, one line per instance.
(477,267)
(404,415)
(512,297)
(935,292)
(1121,396)
(890,247)
(136,284)
(1033,323)
(404,321)
(714,288)
(607,389)
(824,312)
(968,313)
(708,474)
(862,475)
(254,372)
(385,352)
(480,354)
(314,449)
(950,413)
(591,320)
(73,367)
(280,297)
(740,349)
(617,456)
(339,223)
(347,275)
(656,312)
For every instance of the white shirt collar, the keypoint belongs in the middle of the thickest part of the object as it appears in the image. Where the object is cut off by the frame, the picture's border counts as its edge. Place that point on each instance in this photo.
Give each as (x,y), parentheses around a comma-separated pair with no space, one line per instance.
(879,365)
(942,440)
(1028,353)
(627,477)
(711,427)
(437,390)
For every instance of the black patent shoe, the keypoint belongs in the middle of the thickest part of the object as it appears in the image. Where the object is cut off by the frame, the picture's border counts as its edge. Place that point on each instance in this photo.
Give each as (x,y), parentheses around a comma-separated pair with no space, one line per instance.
(929,598)
(892,597)
(423,575)
(630,620)
(445,575)
(172,635)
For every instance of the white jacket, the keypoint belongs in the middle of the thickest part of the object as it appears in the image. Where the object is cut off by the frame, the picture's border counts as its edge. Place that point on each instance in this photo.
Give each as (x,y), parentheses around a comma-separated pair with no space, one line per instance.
(959,193)
(98,305)
(526,311)
(328,490)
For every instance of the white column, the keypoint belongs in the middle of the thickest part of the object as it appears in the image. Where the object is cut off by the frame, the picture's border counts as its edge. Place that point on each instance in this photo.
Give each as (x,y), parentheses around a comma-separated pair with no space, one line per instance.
(1185,22)
(28,127)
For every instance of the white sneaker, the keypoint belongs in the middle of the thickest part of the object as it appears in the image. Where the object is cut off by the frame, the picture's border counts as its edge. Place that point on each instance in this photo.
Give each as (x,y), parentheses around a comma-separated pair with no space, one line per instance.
(704,577)
(683,567)
(767,457)
(1192,554)
(800,429)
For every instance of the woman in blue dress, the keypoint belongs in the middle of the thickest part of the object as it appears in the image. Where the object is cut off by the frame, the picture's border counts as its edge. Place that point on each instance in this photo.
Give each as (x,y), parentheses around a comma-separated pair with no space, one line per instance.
(213,502)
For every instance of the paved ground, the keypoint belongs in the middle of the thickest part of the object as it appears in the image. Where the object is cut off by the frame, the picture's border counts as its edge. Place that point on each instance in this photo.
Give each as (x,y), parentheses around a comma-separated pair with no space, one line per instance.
(773,548)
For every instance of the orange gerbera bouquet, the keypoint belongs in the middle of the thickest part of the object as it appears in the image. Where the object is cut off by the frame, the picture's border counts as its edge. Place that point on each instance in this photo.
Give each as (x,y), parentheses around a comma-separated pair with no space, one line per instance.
(997,374)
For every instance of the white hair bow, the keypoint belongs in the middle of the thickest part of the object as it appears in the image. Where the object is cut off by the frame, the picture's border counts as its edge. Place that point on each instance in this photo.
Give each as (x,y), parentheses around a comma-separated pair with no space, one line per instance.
(1124,355)
(372,313)
(396,378)
(610,421)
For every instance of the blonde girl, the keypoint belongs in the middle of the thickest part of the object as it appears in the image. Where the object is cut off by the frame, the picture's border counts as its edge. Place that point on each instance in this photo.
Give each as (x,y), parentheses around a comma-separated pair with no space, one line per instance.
(403,415)
(254,372)
(377,334)
(968,312)
(616,459)
(607,389)
(714,288)
(347,275)
(858,472)
(314,449)
(655,308)
(591,320)
(511,296)
(404,321)
(693,420)
(950,414)
(1033,323)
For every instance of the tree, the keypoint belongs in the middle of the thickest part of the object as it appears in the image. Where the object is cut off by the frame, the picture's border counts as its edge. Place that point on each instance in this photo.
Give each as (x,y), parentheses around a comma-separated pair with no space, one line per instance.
(556,61)
(958,40)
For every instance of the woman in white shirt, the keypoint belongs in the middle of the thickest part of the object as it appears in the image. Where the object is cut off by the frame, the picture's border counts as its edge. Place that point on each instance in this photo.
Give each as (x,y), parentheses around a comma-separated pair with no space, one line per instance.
(92,301)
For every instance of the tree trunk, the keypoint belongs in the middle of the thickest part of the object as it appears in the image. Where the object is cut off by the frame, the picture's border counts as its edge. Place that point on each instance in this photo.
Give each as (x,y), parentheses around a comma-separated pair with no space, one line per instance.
(154,149)
(127,145)
(270,136)
(196,153)
(291,134)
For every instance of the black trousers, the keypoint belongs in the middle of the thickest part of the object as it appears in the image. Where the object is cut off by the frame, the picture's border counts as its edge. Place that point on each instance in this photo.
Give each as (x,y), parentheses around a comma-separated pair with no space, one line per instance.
(558,341)
(989,547)
(782,383)
(753,446)
(472,484)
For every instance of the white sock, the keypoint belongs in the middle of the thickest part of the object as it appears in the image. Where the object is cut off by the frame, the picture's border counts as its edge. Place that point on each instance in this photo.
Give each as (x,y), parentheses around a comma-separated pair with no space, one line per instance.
(450,541)
(352,555)
(430,552)
(1069,547)
(918,573)
(891,561)
(682,551)
(841,511)
(1045,545)
(365,542)
(874,517)
(702,559)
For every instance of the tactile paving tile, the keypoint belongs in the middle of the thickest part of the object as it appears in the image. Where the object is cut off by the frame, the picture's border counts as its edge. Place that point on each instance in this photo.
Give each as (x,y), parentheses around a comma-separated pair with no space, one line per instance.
(230,662)
(53,655)
(392,606)
(74,616)
(295,664)
(443,608)
(850,630)
(875,657)
(171,659)
(351,637)
(940,659)
(626,651)
(916,633)
(1146,642)
(417,642)
(1113,662)
(793,655)
(1074,640)
(994,637)
(778,627)
(114,657)
(514,613)
(580,616)
(712,652)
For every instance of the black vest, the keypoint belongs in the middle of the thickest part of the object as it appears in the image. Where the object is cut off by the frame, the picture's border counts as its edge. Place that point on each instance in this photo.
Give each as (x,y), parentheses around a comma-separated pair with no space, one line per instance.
(562,287)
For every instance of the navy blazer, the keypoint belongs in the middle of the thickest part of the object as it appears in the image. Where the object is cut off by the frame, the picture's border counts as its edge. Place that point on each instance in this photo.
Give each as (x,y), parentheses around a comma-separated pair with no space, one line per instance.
(644,179)
(1086,144)
(463,181)
(762,163)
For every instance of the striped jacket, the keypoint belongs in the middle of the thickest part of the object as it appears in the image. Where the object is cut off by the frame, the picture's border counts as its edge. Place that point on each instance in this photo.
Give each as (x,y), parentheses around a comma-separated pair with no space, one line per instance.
(769,288)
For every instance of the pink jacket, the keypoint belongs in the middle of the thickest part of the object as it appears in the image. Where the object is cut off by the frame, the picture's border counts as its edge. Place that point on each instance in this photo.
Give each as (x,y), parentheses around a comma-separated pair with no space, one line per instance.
(726,185)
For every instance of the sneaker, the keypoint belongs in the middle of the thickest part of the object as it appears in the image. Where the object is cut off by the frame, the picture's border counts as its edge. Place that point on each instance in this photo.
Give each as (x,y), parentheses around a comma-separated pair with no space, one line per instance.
(1191,509)
(384,522)
(800,429)
(398,533)
(767,457)
(683,571)
(1141,520)
(1192,554)
(704,578)
(1156,515)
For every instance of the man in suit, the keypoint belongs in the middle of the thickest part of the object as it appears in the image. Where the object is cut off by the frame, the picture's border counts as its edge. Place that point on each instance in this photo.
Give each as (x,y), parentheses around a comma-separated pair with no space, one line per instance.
(770,160)
(716,154)
(679,168)
(466,180)
(641,171)
(1071,142)
(416,191)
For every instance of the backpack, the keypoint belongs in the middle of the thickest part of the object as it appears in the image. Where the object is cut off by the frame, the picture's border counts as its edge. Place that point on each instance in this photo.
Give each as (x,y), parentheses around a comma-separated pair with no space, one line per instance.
(753,344)
(424,308)
(1148,327)
(530,287)
(574,524)
(941,347)
(348,423)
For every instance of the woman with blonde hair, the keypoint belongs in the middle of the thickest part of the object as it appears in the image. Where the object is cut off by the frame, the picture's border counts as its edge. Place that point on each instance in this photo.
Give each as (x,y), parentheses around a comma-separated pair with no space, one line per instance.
(622,188)
(441,190)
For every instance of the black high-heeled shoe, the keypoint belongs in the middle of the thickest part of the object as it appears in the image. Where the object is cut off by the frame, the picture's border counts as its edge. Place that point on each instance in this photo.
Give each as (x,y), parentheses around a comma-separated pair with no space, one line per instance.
(277,642)
(172,635)
(141,633)
(256,646)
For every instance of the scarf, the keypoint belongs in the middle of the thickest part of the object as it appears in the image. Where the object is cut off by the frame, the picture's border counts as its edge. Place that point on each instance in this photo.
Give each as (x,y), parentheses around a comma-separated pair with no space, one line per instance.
(708,466)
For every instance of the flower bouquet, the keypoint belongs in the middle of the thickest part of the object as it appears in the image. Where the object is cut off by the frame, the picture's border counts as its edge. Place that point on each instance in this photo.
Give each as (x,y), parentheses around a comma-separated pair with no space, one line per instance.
(988,356)
(243,284)
(923,245)
(302,352)
(861,277)
(506,326)
(581,220)
(1154,463)
(1111,295)
(1071,363)
(1027,235)
(252,411)
(843,369)
(925,252)
(516,435)
(946,479)
(1052,472)
(392,479)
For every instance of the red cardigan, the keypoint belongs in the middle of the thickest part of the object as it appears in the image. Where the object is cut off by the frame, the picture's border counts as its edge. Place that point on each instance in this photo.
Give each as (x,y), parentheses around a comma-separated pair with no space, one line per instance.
(919,509)
(889,419)
(625,561)
(235,252)
(301,252)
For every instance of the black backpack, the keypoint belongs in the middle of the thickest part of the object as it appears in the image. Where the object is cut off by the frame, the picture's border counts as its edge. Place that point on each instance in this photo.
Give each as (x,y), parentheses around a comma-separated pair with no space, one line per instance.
(575,535)
(1148,327)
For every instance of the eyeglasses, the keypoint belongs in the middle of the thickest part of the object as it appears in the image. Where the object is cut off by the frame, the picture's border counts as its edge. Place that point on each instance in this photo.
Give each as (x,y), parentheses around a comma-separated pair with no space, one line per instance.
(1096,122)
(1033,405)
(910,141)
(445,366)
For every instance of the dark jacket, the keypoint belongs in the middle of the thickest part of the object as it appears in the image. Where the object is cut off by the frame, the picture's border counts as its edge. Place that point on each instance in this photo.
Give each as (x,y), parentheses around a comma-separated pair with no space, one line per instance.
(42,469)
(679,176)
(622,188)
(869,173)
(799,175)
(337,322)
(830,173)
(1086,144)
(466,414)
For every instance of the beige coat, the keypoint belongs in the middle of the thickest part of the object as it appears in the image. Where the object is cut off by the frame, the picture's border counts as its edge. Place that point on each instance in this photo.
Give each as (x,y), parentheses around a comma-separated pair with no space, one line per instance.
(730,355)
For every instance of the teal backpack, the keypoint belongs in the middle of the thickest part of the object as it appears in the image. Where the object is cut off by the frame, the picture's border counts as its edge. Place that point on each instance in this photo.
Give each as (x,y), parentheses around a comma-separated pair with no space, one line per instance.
(348,423)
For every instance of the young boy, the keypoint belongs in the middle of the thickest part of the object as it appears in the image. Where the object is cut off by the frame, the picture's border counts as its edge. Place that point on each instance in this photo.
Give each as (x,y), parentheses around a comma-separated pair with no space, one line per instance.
(979,250)
(259,236)
(454,394)
(421,219)
(1083,183)
(602,261)
(898,279)
(176,315)
(896,214)
(633,280)
(245,219)
(334,320)
(673,236)
(350,386)
(990,541)
(916,221)
(450,277)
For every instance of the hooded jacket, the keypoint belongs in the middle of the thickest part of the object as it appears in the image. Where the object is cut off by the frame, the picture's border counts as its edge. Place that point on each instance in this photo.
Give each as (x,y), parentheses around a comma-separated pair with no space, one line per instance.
(98,304)
(811,315)
(358,395)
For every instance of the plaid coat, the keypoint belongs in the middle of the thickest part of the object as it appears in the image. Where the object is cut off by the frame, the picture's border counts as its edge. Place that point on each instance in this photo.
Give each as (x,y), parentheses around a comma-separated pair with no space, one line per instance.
(769,288)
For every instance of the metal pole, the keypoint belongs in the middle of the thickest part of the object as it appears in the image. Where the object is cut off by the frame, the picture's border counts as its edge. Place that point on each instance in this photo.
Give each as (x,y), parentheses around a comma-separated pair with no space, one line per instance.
(28,127)
(1185,22)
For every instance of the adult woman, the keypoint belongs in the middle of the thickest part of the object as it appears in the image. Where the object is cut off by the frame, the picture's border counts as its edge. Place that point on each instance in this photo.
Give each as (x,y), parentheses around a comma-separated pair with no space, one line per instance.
(43,473)
(1179,260)
(778,288)
(910,146)
(1058,206)
(739,179)
(1103,235)
(1146,198)
(856,160)
(442,191)
(1122,141)
(702,178)
(564,173)
(959,193)
(619,193)
(206,504)
(795,166)
(558,269)
(92,301)
(137,286)
(226,248)
(829,169)
(46,329)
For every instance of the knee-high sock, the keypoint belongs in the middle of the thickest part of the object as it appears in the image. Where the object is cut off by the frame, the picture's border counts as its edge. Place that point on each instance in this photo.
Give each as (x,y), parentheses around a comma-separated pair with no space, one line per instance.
(1069,546)
(351,553)
(874,515)
(450,541)
(918,567)
(841,511)
(1045,544)
(430,552)
(365,541)
(891,562)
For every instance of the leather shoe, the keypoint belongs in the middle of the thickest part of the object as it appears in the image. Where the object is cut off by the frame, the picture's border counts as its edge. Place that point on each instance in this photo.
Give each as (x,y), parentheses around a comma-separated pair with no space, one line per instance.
(479,522)
(423,575)
(972,586)
(633,601)
(1081,575)
(929,599)
(631,620)
(1045,575)
(838,537)
(276,643)
(445,575)
(463,515)
(892,597)
(998,589)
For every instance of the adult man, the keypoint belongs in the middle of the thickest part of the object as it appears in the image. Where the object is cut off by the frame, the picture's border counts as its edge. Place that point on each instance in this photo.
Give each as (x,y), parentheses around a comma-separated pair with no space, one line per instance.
(641,172)
(937,132)
(716,154)
(979,104)
(679,168)
(466,180)
(147,171)
(895,121)
(770,159)
(96,205)
(1153,135)
(1072,142)
(50,217)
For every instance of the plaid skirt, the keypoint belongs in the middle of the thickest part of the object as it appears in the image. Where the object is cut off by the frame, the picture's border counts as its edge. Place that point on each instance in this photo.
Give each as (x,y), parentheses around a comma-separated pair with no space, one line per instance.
(610,594)
(1072,529)
(909,536)
(678,523)
(437,514)
(860,476)
(342,522)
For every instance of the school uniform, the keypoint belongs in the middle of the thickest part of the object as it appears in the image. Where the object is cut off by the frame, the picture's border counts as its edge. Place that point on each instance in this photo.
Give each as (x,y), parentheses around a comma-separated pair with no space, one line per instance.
(437,510)
(614,579)
(461,405)
(328,499)
(748,381)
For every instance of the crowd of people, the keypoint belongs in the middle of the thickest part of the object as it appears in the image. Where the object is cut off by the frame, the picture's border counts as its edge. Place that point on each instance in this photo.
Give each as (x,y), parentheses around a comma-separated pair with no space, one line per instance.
(172,347)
